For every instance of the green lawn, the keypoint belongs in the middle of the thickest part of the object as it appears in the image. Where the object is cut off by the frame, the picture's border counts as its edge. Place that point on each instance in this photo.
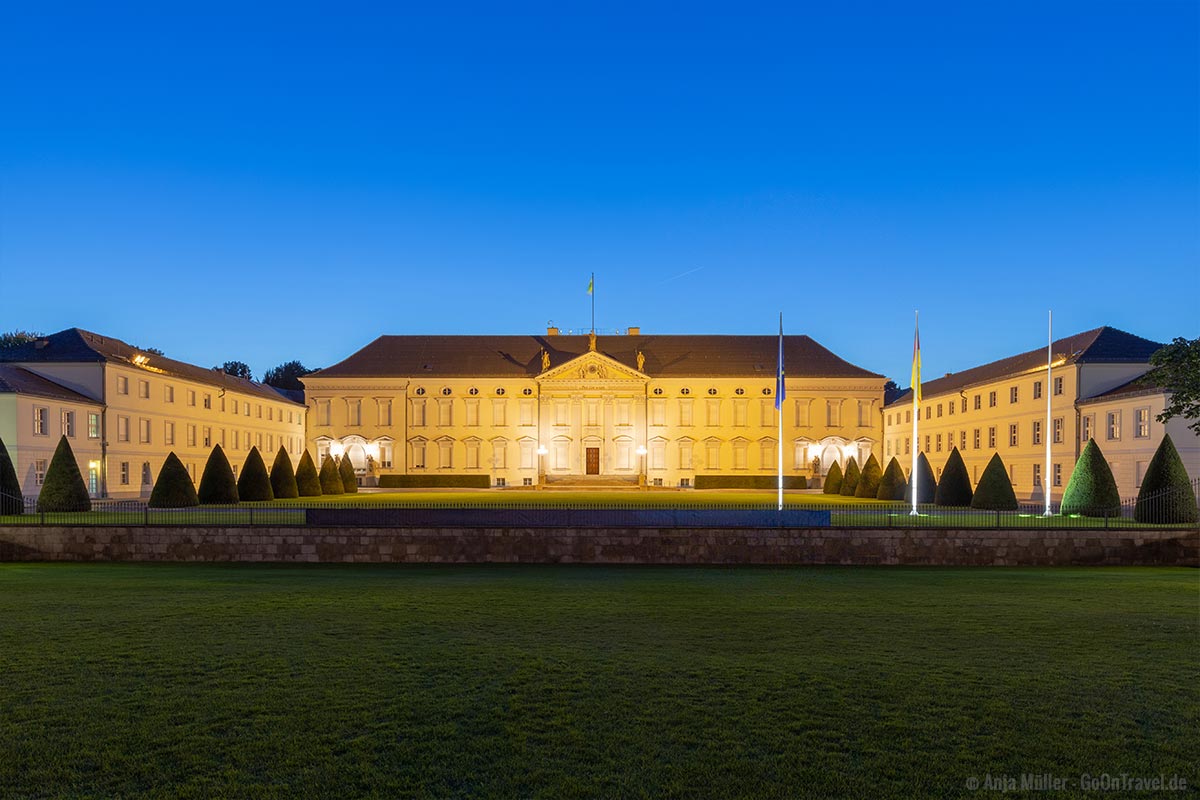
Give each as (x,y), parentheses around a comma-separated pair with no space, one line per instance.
(558,682)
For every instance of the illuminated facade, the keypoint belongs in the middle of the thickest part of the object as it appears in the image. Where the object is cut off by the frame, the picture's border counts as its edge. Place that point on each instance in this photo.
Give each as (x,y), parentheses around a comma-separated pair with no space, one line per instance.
(527,410)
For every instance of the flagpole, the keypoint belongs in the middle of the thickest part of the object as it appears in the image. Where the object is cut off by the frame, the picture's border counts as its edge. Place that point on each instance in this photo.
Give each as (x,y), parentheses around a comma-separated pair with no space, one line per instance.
(592,286)
(779,395)
(1049,394)
(916,411)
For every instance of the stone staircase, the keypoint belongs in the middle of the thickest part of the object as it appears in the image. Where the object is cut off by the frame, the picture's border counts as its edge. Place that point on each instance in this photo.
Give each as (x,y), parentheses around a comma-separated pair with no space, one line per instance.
(576,482)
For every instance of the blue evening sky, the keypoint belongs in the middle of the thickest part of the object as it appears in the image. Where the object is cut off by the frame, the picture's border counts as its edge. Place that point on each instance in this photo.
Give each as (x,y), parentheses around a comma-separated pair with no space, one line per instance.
(266,182)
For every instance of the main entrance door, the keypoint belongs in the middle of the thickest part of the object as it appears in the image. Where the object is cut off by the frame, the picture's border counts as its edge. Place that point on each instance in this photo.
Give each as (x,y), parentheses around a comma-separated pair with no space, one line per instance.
(593,461)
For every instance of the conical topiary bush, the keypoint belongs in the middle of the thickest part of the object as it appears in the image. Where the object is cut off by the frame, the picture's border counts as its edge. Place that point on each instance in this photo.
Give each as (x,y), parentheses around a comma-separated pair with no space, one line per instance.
(1166,496)
(954,489)
(308,482)
(868,482)
(995,491)
(850,478)
(833,479)
(11,499)
(893,482)
(1092,490)
(63,488)
(331,480)
(217,484)
(346,473)
(283,479)
(926,483)
(254,484)
(174,488)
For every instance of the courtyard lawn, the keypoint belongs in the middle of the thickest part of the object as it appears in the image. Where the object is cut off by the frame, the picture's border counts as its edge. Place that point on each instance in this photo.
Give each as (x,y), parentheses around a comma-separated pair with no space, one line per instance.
(557,682)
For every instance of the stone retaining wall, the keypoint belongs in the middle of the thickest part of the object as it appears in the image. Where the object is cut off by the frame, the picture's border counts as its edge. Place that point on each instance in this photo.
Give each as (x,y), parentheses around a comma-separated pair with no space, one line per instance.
(960,547)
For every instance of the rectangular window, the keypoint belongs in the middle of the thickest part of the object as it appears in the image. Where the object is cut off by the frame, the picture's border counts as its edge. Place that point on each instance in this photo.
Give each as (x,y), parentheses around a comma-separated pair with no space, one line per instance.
(908,416)
(1037,393)
(685,455)
(938,440)
(39,471)
(144,390)
(233,406)
(562,413)
(353,412)
(1085,428)
(991,399)
(864,414)
(472,412)
(833,413)
(739,455)
(964,404)
(169,433)
(1012,435)
(1057,430)
(802,407)
(208,401)
(124,473)
(927,450)
(950,408)
(385,455)
(258,410)
(1114,425)
(712,455)
(384,405)
(907,445)
(246,409)
(445,412)
(418,413)
(1058,389)
(169,393)
(658,455)
(962,440)
(928,412)
(1141,423)
(591,411)
(1037,474)
(418,455)
(767,412)
(191,397)
(191,435)
(623,412)
(1058,474)
(975,440)
(658,412)
(144,430)
(257,441)
(713,412)
(500,411)
(122,384)
(41,421)
(472,454)
(93,426)
(978,402)
(992,438)
(237,438)
(1012,394)
(739,413)
(939,409)
(767,455)
(122,429)
(206,441)
(500,454)
(528,412)
(1037,431)
(68,424)
(685,412)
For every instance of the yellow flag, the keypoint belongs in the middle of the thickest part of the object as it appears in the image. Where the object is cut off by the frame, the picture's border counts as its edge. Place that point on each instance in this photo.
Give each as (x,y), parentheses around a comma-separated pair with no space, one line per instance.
(591,284)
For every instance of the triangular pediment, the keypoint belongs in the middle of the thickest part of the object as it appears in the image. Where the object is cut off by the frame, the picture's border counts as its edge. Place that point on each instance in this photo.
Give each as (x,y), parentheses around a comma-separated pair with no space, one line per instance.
(592,368)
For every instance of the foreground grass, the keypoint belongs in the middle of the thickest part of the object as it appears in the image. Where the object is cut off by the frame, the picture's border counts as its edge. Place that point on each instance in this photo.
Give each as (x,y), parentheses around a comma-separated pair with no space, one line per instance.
(239,681)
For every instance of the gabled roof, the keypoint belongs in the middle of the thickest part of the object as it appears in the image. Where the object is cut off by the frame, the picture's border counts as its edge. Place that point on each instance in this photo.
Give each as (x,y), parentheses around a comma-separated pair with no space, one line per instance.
(1137,386)
(19,380)
(520,356)
(76,345)
(1099,346)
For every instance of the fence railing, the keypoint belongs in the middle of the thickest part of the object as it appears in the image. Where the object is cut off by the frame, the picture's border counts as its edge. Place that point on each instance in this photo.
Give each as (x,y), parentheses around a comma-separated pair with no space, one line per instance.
(542,512)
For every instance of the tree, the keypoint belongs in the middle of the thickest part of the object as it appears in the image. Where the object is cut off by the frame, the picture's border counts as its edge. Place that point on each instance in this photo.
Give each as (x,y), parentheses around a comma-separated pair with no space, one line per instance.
(954,489)
(868,482)
(331,479)
(995,491)
(1092,491)
(1166,496)
(11,499)
(1176,368)
(926,483)
(174,488)
(850,478)
(346,473)
(254,483)
(217,485)
(283,479)
(833,479)
(63,488)
(17,338)
(891,391)
(154,351)
(308,483)
(238,369)
(892,484)
(287,375)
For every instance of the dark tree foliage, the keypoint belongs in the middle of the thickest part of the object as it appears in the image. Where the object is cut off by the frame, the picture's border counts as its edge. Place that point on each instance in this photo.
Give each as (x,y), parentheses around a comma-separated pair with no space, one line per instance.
(954,488)
(1166,496)
(154,351)
(868,482)
(283,479)
(254,483)
(833,479)
(287,375)
(238,369)
(331,479)
(1176,368)
(926,482)
(217,484)
(174,488)
(346,473)
(893,482)
(850,477)
(11,500)
(995,491)
(63,488)
(308,482)
(17,338)
(1092,490)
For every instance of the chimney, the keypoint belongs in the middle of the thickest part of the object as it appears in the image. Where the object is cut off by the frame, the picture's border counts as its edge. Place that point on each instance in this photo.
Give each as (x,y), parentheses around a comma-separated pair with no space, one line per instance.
(552,331)
(635,331)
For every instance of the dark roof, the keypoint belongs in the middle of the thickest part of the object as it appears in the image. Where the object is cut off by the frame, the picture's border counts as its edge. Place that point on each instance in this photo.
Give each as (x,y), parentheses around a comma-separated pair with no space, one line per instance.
(1099,346)
(21,381)
(517,356)
(76,345)
(1137,386)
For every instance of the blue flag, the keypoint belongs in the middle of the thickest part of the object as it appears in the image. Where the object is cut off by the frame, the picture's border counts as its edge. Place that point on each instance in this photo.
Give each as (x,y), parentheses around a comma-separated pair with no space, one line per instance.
(780,388)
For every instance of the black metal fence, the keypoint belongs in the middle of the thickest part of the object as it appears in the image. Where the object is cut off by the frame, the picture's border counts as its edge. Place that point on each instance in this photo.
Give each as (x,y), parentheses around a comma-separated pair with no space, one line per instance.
(648,510)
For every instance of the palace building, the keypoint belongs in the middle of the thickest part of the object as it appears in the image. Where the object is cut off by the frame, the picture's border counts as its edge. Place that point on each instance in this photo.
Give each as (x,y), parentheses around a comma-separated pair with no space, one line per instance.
(124,409)
(528,410)
(1000,407)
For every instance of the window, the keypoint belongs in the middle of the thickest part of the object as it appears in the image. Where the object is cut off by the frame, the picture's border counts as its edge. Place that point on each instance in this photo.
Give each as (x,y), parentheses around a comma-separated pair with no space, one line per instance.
(962,440)
(500,411)
(41,417)
(236,439)
(739,454)
(658,411)
(124,473)
(1037,431)
(472,412)
(767,412)
(68,424)
(802,414)
(385,455)
(445,454)
(122,384)
(1057,433)
(418,449)
(927,450)
(418,413)
(685,455)
(1012,394)
(472,453)
(206,441)
(1012,435)
(991,399)
(964,404)
(258,410)
(992,438)
(93,426)
(1037,395)
(907,451)
(712,454)
(975,439)
(353,412)
(562,413)
(384,406)
(591,411)
(864,413)
(908,416)
(950,408)
(767,454)
(208,401)
(1058,389)
(144,430)
(928,412)
(147,475)
(833,413)
(144,390)
(122,429)
(1085,428)
(713,411)
(1058,474)
(938,440)
(658,455)
(191,397)
(325,412)
(1141,423)
(500,454)
(939,409)
(685,412)
(191,435)
(527,411)
(978,402)
(246,409)
(739,413)
(1037,474)
(1113,425)
(169,433)
(39,471)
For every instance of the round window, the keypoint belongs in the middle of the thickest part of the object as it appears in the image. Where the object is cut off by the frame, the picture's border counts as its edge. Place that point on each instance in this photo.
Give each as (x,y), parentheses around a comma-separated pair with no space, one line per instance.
(712,391)
(420,390)
(500,390)
(738,390)
(658,390)
(685,391)
(472,390)
(527,392)
(446,391)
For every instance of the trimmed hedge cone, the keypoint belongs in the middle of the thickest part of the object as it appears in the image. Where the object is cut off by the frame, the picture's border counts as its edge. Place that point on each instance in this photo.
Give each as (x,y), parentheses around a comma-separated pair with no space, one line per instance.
(346,473)
(1166,496)
(850,478)
(254,483)
(11,501)
(926,482)
(868,482)
(308,482)
(995,491)
(833,479)
(893,483)
(331,480)
(954,489)
(1092,490)
(283,479)
(174,488)
(217,484)
(63,488)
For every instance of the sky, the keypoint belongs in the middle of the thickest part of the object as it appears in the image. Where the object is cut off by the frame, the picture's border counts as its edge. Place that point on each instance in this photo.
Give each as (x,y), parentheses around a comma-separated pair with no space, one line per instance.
(263,182)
